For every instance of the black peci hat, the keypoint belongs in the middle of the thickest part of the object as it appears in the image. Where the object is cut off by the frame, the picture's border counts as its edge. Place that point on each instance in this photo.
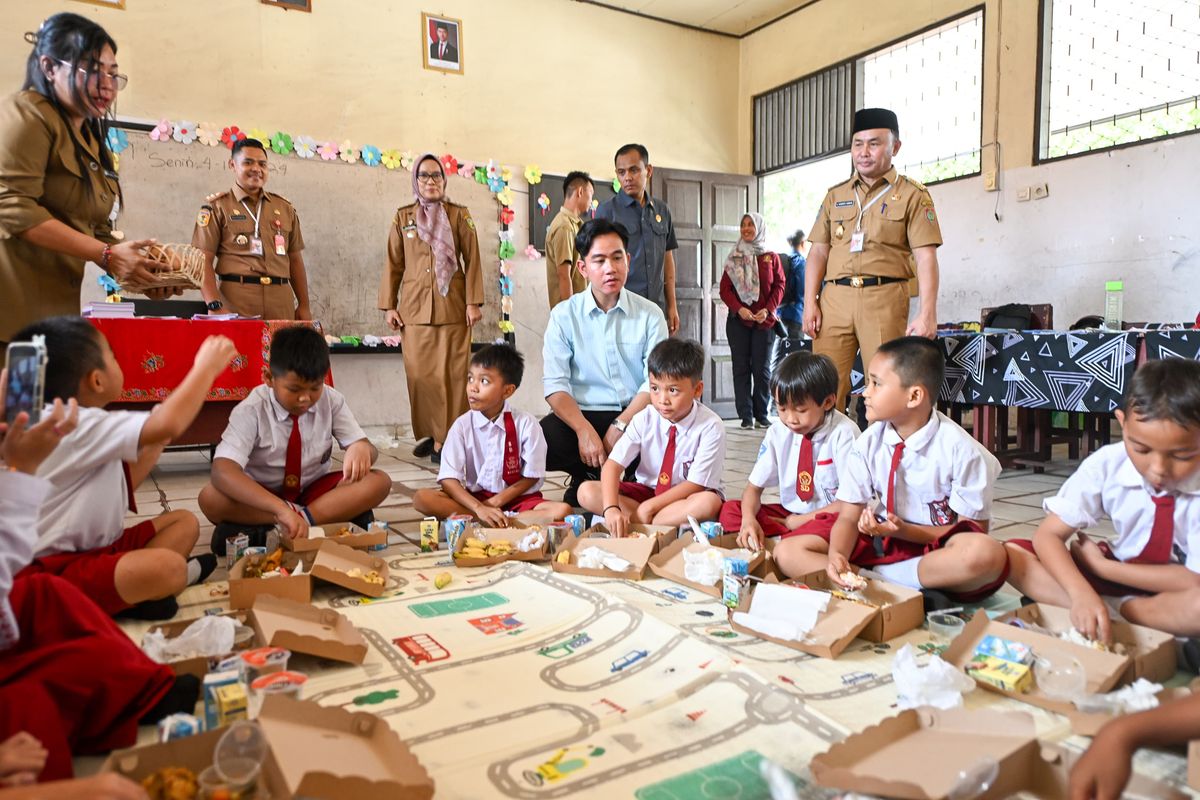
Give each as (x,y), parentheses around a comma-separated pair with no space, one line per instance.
(868,119)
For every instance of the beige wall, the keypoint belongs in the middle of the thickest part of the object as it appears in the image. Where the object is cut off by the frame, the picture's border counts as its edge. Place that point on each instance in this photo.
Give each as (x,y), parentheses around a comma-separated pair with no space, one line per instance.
(551,82)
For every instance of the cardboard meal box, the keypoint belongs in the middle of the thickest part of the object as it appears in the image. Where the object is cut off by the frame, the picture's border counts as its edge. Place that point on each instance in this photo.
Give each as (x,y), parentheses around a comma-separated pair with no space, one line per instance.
(662,535)
(243,590)
(1089,723)
(328,752)
(636,551)
(932,754)
(335,562)
(358,538)
(303,628)
(669,562)
(1152,652)
(512,535)
(840,624)
(898,609)
(201,665)
(1103,670)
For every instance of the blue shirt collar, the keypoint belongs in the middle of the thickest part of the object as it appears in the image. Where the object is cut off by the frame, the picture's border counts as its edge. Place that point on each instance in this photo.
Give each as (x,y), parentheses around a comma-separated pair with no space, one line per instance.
(589,302)
(629,202)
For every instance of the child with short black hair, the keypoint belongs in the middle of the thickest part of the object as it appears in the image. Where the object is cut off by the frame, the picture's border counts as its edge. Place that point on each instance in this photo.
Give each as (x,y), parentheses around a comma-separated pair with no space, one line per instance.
(680,441)
(273,465)
(94,472)
(917,489)
(494,458)
(801,453)
(1149,486)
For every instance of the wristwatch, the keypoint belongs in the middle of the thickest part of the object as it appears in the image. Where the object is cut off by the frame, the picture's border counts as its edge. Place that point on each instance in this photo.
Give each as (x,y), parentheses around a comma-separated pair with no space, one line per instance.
(215,305)
(620,424)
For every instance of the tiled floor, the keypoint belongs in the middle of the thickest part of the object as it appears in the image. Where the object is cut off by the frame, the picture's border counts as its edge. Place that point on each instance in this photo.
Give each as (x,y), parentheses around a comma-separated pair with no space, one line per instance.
(177,480)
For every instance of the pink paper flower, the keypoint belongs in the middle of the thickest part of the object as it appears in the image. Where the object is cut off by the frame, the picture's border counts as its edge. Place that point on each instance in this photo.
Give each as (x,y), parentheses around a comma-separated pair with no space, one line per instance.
(162,131)
(532,253)
(328,151)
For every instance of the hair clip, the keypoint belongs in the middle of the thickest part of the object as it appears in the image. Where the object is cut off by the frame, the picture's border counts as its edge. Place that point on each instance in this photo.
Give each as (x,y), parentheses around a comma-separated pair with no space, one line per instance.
(31,37)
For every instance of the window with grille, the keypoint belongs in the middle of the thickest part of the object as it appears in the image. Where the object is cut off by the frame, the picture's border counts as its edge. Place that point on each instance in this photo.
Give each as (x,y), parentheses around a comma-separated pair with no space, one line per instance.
(1116,72)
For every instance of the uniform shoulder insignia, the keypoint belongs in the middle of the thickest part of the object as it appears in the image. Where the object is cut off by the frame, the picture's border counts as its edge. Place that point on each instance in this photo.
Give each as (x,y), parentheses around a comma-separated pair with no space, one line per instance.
(456,205)
(278,197)
(920,187)
(215,196)
(840,184)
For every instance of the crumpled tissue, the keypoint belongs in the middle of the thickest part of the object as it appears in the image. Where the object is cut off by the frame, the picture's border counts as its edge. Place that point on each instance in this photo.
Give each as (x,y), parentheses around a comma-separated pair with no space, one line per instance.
(532,541)
(207,636)
(936,684)
(703,566)
(783,612)
(1141,695)
(595,558)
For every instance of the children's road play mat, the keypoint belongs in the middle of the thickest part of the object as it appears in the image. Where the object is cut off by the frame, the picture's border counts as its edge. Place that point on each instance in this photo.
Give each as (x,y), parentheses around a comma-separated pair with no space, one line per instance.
(516,681)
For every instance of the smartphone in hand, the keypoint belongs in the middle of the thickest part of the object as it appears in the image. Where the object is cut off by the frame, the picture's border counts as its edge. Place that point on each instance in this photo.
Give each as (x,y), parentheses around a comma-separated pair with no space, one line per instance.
(26,380)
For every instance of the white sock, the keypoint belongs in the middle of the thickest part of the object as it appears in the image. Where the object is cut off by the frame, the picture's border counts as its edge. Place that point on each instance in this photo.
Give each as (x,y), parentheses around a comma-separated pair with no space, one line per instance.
(193,571)
(903,573)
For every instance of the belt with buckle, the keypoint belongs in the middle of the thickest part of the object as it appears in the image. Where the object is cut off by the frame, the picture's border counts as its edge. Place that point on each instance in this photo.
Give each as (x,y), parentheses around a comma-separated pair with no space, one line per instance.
(858,281)
(262,280)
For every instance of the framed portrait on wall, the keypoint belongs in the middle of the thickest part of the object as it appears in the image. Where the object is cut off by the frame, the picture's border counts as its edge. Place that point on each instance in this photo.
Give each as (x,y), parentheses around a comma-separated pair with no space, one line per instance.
(442,43)
(292,5)
(106,3)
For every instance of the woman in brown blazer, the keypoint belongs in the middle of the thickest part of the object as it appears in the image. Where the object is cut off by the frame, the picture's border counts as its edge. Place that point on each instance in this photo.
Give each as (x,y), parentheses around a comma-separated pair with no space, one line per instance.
(59,192)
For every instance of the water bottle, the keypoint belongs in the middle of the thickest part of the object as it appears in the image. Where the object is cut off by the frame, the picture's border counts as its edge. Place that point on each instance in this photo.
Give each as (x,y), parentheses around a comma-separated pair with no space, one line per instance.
(1113,292)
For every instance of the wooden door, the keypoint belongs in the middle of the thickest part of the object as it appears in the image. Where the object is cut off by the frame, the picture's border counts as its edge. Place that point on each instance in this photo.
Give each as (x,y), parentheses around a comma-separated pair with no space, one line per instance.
(707,208)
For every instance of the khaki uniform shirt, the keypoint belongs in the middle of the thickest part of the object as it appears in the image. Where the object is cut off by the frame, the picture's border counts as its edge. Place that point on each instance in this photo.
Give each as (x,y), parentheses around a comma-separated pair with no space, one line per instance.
(409,271)
(899,221)
(225,227)
(560,249)
(43,178)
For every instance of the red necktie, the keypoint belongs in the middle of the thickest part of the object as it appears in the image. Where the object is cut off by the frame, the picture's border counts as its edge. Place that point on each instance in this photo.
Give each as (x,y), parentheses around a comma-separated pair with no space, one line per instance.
(1162,534)
(512,458)
(891,498)
(291,465)
(129,486)
(668,465)
(804,470)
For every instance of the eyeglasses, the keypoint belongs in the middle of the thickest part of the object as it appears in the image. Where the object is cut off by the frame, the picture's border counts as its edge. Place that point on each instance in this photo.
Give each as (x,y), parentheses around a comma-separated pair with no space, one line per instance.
(117,79)
(429,177)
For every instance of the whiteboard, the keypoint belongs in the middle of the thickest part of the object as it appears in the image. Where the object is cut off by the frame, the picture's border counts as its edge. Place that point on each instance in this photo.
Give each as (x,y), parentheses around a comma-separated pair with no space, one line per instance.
(345,212)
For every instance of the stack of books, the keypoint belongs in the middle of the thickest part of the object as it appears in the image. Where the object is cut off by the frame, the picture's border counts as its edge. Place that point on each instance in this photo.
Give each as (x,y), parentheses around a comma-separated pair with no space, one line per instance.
(108,310)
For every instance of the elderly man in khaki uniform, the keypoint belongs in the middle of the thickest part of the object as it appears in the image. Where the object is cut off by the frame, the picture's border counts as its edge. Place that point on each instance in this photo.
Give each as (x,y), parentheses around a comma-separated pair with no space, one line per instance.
(433,264)
(255,237)
(867,232)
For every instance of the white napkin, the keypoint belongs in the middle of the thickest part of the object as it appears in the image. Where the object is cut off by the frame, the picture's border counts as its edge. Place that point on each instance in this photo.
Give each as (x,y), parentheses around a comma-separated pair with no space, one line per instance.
(595,558)
(783,612)
(937,684)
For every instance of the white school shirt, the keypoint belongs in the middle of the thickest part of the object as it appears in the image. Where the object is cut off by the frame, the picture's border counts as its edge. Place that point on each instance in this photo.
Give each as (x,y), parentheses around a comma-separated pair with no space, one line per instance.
(20,497)
(944,473)
(86,506)
(779,457)
(256,438)
(1108,485)
(699,447)
(473,453)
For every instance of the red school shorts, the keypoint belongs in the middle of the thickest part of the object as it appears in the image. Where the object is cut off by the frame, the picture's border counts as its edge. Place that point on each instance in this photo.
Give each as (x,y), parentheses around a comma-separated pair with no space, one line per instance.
(526,502)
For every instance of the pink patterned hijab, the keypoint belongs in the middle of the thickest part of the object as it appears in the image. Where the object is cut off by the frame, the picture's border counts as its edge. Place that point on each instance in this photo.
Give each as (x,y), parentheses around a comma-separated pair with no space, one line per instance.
(433,227)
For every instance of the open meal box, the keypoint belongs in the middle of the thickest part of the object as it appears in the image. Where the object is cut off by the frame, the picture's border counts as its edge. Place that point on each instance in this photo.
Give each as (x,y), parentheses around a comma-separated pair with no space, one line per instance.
(662,535)
(898,609)
(669,562)
(354,536)
(312,751)
(511,535)
(304,628)
(200,665)
(346,567)
(1102,670)
(331,563)
(1152,652)
(636,551)
(932,754)
(840,624)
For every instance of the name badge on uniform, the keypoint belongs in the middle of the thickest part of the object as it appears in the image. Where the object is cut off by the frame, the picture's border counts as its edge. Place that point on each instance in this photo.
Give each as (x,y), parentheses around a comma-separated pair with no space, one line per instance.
(856,241)
(256,246)
(410,230)
(237,217)
(280,245)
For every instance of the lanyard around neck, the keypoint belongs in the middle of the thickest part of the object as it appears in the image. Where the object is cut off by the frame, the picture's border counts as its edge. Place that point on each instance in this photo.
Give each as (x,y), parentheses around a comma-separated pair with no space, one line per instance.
(254,215)
(863,209)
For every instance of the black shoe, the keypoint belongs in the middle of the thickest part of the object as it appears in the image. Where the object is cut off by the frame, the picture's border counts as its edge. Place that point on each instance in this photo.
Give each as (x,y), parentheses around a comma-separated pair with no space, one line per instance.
(571,495)
(747,425)
(364,519)
(152,610)
(180,699)
(224,530)
(436,456)
(424,447)
(1026,600)
(207,562)
(1189,655)
(762,423)
(937,601)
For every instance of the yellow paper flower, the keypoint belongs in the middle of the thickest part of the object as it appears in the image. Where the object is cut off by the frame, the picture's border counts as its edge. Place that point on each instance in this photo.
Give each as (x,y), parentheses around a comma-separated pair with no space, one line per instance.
(506,174)
(349,153)
(533,174)
(260,134)
(391,158)
(505,196)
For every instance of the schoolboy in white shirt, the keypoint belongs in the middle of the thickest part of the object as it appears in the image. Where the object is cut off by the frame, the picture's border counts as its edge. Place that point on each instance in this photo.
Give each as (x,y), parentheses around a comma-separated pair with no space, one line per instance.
(1149,486)
(801,454)
(917,489)
(680,441)
(273,465)
(494,458)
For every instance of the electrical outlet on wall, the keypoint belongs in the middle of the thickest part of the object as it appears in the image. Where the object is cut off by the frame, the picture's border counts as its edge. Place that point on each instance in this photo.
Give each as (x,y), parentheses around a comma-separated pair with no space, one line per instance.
(989,180)
(1023,194)
(1041,191)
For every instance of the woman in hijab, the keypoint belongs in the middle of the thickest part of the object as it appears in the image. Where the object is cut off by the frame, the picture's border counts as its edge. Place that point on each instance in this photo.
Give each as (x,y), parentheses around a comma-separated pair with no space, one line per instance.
(752,287)
(433,265)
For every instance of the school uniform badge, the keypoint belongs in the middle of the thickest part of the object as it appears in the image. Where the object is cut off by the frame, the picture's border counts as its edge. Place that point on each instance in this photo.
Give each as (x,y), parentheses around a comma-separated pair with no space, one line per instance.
(203,217)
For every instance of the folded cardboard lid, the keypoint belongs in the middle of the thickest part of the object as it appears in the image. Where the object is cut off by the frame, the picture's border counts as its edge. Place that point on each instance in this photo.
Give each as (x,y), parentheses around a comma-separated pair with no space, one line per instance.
(668,563)
(358,537)
(836,627)
(662,535)
(332,753)
(635,551)
(335,560)
(303,628)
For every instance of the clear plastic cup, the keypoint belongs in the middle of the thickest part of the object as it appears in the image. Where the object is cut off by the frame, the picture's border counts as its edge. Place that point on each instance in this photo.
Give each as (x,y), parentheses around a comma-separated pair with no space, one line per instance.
(237,762)
(944,627)
(1060,677)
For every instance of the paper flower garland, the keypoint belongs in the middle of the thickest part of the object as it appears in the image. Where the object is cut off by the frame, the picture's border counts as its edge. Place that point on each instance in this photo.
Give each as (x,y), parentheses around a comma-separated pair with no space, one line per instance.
(493,170)
(281,143)
(543,201)
(532,253)
(449,164)
(481,175)
(391,159)
(208,135)
(117,140)
(506,326)
(305,146)
(371,155)
(616,184)
(495,184)
(506,174)
(507,215)
(533,174)
(595,205)
(406,159)
(507,250)
(505,196)
(231,136)
(185,132)
(348,153)
(328,151)
(466,169)
(162,131)
(260,135)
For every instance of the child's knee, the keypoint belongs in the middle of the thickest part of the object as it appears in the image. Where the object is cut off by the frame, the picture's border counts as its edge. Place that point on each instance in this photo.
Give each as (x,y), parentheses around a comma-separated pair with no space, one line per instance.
(381,483)
(984,556)
(156,571)
(556,510)
(424,499)
(589,495)
(181,525)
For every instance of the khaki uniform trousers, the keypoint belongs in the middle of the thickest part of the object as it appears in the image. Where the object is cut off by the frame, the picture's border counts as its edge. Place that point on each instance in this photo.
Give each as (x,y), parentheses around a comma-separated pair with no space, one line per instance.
(854,320)
(436,360)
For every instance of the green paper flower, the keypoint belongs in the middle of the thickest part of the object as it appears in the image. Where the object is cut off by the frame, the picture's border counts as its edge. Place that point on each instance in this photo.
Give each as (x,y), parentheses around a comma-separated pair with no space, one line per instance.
(481,175)
(507,250)
(616,184)
(281,143)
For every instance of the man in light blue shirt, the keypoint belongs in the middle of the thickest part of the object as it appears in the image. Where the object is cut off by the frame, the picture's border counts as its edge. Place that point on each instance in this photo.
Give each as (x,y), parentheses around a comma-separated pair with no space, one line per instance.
(595,352)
